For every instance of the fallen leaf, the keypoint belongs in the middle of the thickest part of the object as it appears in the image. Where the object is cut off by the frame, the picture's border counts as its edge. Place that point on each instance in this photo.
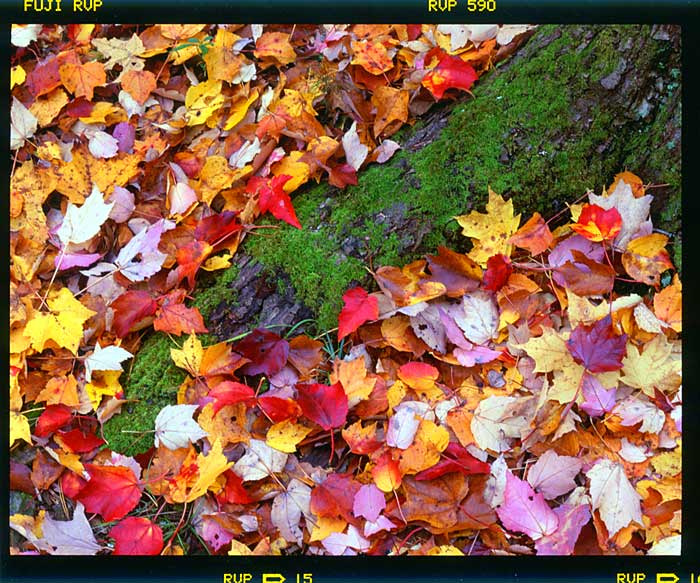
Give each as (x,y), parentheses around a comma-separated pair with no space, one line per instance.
(137,535)
(175,427)
(614,496)
(525,511)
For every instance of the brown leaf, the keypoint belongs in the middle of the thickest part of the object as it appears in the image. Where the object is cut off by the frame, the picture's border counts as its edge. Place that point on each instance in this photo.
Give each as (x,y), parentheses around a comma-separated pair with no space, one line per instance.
(435,501)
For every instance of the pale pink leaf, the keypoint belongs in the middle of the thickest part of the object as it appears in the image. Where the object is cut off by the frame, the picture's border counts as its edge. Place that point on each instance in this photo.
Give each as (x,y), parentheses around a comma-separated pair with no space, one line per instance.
(553,475)
(525,511)
(369,502)
(562,542)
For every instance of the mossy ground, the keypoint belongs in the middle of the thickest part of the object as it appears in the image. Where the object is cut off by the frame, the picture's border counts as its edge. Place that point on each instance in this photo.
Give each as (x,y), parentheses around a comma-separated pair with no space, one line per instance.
(508,137)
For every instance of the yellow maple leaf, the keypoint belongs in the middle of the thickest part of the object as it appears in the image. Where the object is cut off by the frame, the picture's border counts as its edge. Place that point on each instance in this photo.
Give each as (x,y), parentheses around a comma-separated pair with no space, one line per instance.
(228,424)
(202,101)
(209,467)
(17,75)
(19,428)
(104,383)
(291,166)
(655,367)
(490,232)
(63,325)
(548,350)
(668,463)
(239,108)
(352,375)
(190,357)
(47,107)
(285,435)
(444,551)
(325,526)
(60,391)
(425,450)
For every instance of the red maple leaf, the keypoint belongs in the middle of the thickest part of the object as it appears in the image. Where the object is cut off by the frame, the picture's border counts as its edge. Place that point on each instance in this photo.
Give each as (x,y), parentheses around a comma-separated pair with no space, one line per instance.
(112,491)
(456,459)
(137,535)
(216,228)
(335,497)
(233,491)
(359,308)
(230,393)
(78,442)
(597,347)
(325,405)
(498,270)
(53,417)
(176,318)
(273,198)
(130,308)
(450,73)
(266,351)
(597,224)
(279,409)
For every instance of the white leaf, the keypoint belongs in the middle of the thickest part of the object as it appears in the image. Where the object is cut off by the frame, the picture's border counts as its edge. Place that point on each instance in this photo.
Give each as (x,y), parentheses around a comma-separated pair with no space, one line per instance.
(102,145)
(479,316)
(403,425)
(429,328)
(632,453)
(22,35)
(245,154)
(635,409)
(355,151)
(508,32)
(671,545)
(634,211)
(386,150)
(109,358)
(175,427)
(495,490)
(70,537)
(458,33)
(23,124)
(180,198)
(478,33)
(287,509)
(494,424)
(614,496)
(553,474)
(82,223)
(259,461)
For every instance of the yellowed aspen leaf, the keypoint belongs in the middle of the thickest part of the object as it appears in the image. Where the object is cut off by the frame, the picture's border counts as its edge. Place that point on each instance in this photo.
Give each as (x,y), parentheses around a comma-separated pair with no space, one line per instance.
(286,435)
(490,232)
(63,325)
(668,305)
(275,45)
(190,356)
(654,366)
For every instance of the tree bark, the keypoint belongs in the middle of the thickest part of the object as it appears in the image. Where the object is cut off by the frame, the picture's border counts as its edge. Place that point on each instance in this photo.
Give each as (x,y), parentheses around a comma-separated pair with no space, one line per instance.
(631,73)
(573,107)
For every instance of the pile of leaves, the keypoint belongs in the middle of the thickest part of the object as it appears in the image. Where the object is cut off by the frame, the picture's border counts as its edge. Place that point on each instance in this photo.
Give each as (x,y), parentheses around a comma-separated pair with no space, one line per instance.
(507,400)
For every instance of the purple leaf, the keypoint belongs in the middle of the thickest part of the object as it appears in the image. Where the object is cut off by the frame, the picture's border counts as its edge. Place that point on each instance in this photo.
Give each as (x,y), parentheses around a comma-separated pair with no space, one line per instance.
(598,347)
(75,260)
(553,474)
(369,502)
(597,399)
(562,253)
(125,134)
(524,511)
(562,541)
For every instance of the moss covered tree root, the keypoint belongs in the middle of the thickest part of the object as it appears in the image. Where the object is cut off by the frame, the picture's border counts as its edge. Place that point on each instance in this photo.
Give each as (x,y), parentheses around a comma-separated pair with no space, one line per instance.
(575,106)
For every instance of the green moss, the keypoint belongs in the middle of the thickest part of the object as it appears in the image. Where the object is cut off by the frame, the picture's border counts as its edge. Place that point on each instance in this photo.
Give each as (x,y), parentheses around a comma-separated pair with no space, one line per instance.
(214,289)
(518,152)
(150,385)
